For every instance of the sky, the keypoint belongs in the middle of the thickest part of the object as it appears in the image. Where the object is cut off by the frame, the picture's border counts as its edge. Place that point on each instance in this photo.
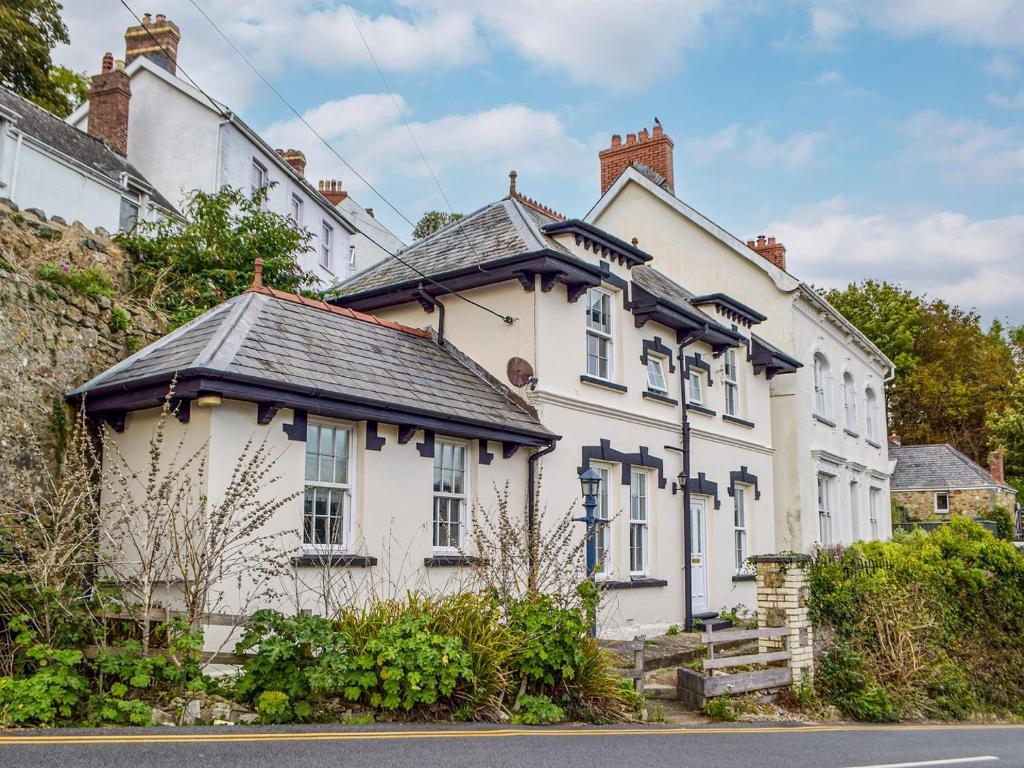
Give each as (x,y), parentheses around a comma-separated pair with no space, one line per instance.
(875,138)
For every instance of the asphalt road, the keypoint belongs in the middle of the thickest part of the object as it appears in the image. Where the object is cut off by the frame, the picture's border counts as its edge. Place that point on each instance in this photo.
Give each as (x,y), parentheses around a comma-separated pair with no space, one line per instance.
(716,746)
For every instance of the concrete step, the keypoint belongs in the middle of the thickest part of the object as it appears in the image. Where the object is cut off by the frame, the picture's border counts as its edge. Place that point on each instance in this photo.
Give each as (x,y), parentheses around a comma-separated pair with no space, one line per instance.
(659,691)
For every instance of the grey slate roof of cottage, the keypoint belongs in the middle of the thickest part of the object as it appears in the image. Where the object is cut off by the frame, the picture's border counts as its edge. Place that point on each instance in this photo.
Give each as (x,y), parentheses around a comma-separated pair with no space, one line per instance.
(936,467)
(497,231)
(270,337)
(36,122)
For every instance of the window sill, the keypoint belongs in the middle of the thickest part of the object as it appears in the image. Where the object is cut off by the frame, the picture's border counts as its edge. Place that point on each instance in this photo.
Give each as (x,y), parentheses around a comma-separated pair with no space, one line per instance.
(658,397)
(744,577)
(603,383)
(335,560)
(850,432)
(447,561)
(823,420)
(872,443)
(699,409)
(634,583)
(738,420)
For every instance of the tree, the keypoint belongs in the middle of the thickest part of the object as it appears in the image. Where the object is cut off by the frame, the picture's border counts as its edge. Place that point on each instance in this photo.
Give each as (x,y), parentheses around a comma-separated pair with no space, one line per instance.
(887,314)
(29,30)
(71,87)
(431,221)
(186,268)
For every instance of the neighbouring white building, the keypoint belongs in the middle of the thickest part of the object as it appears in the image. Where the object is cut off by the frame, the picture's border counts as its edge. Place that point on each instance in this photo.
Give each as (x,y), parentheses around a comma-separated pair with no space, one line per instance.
(51,166)
(184,141)
(829,420)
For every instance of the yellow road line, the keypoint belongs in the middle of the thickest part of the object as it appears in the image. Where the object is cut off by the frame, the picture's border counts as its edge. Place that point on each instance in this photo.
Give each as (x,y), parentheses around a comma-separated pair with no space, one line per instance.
(221,736)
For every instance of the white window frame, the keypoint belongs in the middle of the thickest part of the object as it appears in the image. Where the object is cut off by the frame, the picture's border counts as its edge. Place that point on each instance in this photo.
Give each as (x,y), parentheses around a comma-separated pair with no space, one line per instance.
(295,206)
(855,509)
(606,336)
(732,382)
(129,201)
(639,523)
(603,543)
(870,412)
(346,488)
(258,178)
(694,388)
(656,370)
(850,401)
(741,528)
(939,510)
(439,494)
(874,495)
(825,502)
(822,385)
(326,245)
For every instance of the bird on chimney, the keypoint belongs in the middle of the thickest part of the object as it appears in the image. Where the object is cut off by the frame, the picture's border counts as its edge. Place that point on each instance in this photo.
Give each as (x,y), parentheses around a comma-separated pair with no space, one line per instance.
(657,122)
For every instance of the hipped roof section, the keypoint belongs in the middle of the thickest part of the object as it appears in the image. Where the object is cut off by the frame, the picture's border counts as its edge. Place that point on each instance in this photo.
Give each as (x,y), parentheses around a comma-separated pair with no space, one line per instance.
(279,349)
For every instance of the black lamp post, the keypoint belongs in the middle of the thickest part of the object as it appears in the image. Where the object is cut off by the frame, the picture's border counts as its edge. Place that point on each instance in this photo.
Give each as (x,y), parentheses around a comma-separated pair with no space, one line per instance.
(590,485)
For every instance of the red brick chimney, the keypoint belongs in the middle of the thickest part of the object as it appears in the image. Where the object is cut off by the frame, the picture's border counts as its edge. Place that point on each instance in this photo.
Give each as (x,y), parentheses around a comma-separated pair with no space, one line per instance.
(995,467)
(295,159)
(769,249)
(156,40)
(108,105)
(653,150)
(331,189)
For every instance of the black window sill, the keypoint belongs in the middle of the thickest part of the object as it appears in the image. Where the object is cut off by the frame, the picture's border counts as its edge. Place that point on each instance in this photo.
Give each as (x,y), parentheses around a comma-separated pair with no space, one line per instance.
(700,409)
(823,420)
(744,577)
(660,398)
(447,561)
(336,561)
(850,432)
(737,420)
(603,383)
(633,584)
(872,443)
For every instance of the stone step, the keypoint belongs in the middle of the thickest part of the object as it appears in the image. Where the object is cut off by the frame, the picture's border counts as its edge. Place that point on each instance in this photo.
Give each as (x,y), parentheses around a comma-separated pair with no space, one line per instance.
(659,691)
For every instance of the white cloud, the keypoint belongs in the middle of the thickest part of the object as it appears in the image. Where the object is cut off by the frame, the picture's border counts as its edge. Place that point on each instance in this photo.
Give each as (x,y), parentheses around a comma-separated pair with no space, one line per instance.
(829,77)
(971,262)
(754,146)
(1015,101)
(991,23)
(972,150)
(1002,67)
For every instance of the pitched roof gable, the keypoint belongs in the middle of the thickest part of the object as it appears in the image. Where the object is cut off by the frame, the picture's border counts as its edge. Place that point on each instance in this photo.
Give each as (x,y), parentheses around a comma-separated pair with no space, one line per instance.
(937,467)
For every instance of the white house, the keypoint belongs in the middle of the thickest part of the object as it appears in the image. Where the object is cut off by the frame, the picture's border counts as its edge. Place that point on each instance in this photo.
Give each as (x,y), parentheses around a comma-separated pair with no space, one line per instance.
(51,166)
(184,141)
(829,420)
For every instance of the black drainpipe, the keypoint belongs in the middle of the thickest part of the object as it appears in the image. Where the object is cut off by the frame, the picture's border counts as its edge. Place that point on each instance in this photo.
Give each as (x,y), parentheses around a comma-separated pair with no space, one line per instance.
(687,554)
(531,501)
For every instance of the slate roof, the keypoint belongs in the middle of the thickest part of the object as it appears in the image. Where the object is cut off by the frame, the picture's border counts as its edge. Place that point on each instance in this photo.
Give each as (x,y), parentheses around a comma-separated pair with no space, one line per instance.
(269,337)
(936,467)
(78,145)
(497,231)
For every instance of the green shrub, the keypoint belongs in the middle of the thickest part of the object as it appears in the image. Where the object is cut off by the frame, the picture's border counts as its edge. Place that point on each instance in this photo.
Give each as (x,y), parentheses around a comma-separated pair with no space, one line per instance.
(274,707)
(88,281)
(537,710)
(51,685)
(721,710)
(672,630)
(1004,520)
(927,625)
(120,320)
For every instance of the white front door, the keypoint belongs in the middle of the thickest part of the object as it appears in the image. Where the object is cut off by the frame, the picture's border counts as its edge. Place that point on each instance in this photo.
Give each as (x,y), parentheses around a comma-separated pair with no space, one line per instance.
(698,555)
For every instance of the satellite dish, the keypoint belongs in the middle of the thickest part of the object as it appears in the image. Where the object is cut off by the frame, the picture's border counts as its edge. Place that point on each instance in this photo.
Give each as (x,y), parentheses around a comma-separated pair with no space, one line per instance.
(519,372)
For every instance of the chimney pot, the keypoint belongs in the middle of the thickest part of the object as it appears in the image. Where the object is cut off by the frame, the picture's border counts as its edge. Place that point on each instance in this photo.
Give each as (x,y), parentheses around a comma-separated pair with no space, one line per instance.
(768,248)
(331,189)
(158,42)
(653,151)
(294,158)
(109,94)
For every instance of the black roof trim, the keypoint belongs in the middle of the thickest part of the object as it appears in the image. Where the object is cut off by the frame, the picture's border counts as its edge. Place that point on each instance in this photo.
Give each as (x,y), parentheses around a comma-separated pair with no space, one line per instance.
(569,270)
(770,359)
(731,308)
(599,241)
(193,382)
(645,305)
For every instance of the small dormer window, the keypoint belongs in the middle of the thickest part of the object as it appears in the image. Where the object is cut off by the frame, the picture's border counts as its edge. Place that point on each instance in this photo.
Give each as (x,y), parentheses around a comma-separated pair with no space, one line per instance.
(599,333)
(656,376)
